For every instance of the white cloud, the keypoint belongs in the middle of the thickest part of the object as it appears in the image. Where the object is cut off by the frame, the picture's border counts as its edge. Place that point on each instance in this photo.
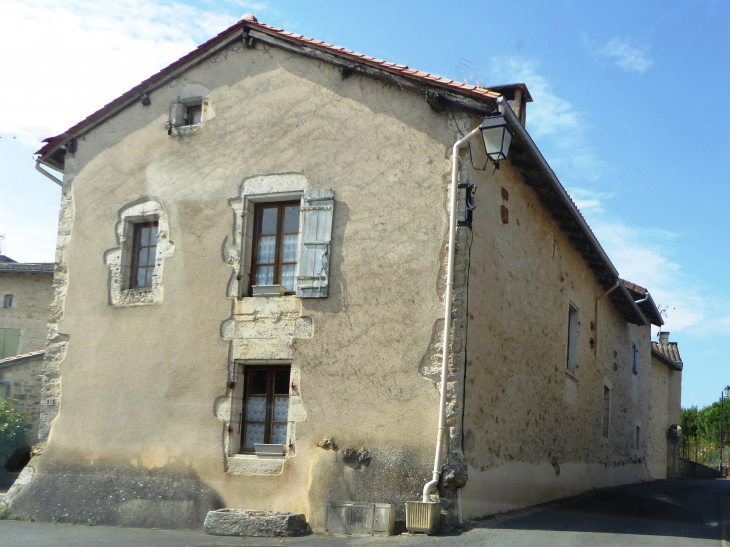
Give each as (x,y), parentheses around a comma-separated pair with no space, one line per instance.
(552,119)
(64,59)
(631,58)
(643,256)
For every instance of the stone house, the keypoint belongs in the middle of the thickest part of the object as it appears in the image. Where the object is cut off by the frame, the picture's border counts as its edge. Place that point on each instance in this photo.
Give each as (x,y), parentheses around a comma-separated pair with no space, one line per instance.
(27,292)
(251,300)
(666,406)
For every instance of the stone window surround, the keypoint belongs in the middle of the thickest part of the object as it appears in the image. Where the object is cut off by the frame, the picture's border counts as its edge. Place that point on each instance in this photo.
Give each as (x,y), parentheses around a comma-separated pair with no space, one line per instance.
(13,301)
(119,259)
(262,189)
(194,95)
(252,464)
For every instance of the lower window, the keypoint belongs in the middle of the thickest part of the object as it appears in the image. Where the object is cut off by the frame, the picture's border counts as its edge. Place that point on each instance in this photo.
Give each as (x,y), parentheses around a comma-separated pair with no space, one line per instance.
(265,412)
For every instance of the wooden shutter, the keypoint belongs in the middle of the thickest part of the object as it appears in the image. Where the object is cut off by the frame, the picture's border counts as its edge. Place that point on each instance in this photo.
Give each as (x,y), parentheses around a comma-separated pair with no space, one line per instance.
(315,245)
(177,115)
(9,342)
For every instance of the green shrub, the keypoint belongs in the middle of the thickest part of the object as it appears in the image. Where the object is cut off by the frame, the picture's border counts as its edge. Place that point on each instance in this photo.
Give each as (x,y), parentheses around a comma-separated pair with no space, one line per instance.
(13,426)
(4,510)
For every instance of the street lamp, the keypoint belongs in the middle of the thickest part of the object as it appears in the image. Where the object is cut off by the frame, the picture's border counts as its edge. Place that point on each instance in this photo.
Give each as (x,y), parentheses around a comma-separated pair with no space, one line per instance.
(497,137)
(724,394)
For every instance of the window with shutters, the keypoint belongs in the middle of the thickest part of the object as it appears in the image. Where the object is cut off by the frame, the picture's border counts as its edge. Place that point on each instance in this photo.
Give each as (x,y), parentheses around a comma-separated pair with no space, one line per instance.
(275,245)
(265,413)
(287,244)
(9,339)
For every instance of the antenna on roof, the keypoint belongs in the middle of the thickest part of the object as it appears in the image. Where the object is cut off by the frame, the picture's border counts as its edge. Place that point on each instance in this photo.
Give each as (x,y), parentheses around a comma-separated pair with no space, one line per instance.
(461,68)
(2,237)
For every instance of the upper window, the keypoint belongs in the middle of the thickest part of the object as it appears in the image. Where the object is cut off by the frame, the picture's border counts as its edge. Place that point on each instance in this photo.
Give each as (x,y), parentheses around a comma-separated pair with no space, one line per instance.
(275,245)
(634,359)
(9,339)
(265,412)
(194,114)
(144,253)
(572,338)
(8,301)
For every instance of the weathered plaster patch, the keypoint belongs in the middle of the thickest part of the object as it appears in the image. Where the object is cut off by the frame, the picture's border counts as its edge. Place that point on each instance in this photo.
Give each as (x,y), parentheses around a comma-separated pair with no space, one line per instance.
(119,259)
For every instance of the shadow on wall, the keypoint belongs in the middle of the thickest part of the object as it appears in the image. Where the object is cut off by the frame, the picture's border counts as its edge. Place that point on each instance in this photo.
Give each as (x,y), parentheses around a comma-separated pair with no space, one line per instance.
(169,497)
(659,508)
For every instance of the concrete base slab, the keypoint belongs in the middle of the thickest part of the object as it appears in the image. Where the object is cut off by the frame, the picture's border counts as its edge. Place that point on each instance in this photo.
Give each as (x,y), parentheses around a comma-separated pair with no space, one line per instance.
(251,523)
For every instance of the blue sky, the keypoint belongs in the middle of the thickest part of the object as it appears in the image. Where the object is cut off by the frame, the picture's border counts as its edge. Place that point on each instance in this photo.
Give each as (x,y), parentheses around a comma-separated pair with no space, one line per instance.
(628,111)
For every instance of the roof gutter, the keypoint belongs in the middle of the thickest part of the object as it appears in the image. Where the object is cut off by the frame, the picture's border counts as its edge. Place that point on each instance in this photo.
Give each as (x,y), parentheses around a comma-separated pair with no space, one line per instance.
(632,303)
(674,365)
(521,133)
(46,173)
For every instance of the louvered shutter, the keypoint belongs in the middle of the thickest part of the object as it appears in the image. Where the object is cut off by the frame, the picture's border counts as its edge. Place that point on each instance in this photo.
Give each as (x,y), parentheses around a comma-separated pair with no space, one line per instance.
(177,115)
(315,245)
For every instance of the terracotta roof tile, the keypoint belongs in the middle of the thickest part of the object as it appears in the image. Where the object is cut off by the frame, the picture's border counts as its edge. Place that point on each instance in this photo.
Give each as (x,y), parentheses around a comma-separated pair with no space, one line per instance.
(403,70)
(20,358)
(19,267)
(671,350)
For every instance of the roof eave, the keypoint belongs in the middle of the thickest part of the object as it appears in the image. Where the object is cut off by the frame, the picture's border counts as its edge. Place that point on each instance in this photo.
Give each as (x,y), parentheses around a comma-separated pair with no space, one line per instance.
(473,97)
(674,365)
(555,198)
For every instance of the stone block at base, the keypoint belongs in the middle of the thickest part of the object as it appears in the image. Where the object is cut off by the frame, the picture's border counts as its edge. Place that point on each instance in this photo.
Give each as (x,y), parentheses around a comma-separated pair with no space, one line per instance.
(251,523)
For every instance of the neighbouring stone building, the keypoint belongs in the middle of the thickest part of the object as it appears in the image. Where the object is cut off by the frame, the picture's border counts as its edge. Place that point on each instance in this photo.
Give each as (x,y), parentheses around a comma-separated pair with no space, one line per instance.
(665,410)
(250,301)
(27,292)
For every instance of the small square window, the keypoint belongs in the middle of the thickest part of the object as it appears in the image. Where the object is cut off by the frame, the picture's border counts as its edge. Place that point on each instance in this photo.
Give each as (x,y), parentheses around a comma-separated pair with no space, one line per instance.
(8,301)
(144,254)
(275,245)
(265,412)
(194,114)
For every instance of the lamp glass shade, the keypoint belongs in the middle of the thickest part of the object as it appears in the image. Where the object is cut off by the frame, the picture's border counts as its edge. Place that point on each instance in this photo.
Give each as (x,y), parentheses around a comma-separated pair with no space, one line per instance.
(727,392)
(497,137)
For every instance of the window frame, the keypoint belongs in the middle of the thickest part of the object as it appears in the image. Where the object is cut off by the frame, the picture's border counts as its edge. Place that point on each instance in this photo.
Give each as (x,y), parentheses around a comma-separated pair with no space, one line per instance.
(572,342)
(8,301)
(270,395)
(137,228)
(190,108)
(634,359)
(281,206)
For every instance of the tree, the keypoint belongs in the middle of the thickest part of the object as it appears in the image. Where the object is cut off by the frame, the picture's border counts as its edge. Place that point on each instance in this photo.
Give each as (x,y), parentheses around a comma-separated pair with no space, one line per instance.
(13,426)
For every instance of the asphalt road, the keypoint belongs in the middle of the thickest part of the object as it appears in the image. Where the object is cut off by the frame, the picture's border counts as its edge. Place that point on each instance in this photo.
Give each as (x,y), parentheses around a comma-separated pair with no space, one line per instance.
(663,513)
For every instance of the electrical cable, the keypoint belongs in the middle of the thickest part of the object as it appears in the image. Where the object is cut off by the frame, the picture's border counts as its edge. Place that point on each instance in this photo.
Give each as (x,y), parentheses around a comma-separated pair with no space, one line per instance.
(471,158)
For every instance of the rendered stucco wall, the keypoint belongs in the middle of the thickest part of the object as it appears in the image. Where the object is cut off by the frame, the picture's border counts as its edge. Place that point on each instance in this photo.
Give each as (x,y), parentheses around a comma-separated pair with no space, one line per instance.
(143,390)
(532,430)
(32,295)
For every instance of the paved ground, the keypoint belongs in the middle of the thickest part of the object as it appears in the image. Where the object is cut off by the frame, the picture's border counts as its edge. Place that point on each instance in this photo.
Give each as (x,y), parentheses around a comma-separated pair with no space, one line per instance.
(661,514)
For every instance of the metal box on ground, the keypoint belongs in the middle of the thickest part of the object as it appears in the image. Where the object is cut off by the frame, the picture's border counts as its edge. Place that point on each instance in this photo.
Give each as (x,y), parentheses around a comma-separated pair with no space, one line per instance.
(423,517)
(360,518)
